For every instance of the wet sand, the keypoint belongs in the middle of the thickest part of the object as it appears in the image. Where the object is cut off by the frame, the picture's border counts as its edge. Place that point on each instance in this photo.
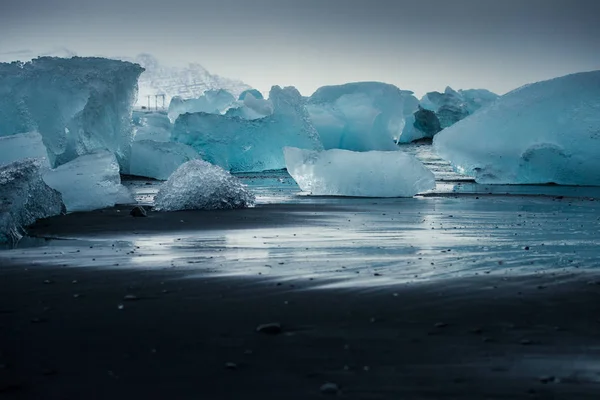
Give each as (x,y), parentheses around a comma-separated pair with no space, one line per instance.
(368,295)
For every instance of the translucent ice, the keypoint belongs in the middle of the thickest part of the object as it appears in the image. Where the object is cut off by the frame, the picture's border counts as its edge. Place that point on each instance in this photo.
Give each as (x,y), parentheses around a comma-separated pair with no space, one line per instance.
(151,126)
(78,105)
(251,107)
(360,116)
(211,102)
(440,110)
(159,160)
(89,182)
(24,197)
(240,145)
(366,174)
(540,133)
(24,145)
(203,186)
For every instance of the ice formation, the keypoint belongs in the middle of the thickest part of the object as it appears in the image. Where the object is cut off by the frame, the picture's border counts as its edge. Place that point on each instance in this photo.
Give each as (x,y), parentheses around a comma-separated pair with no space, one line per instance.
(240,145)
(255,93)
(151,126)
(78,105)
(198,185)
(540,133)
(159,160)
(23,145)
(360,116)
(252,107)
(89,182)
(24,197)
(211,102)
(187,82)
(437,111)
(364,174)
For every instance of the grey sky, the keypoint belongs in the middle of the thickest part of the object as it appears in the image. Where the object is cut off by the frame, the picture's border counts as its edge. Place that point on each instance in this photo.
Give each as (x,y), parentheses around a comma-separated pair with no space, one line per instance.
(417,45)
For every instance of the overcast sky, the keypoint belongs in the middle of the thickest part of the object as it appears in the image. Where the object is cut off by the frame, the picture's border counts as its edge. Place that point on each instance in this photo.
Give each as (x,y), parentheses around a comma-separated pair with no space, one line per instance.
(420,45)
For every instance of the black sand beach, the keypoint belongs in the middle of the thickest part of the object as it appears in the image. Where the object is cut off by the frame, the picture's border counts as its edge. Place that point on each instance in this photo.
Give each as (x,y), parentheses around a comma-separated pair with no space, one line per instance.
(429,298)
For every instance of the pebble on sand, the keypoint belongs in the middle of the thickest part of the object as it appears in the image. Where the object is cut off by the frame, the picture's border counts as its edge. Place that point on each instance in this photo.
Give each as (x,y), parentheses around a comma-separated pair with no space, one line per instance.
(330,388)
(273,328)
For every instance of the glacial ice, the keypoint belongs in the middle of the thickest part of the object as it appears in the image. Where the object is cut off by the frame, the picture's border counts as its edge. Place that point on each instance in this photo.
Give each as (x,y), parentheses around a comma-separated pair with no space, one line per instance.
(198,185)
(89,182)
(211,102)
(78,105)
(251,108)
(151,126)
(24,197)
(240,145)
(437,111)
(23,145)
(339,172)
(360,116)
(254,92)
(545,132)
(159,160)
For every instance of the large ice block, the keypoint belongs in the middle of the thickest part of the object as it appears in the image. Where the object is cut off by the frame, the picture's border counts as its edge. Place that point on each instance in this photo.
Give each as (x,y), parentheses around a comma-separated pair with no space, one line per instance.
(364,174)
(159,160)
(24,197)
(211,102)
(89,182)
(78,105)
(198,185)
(23,145)
(545,132)
(240,145)
(151,126)
(361,116)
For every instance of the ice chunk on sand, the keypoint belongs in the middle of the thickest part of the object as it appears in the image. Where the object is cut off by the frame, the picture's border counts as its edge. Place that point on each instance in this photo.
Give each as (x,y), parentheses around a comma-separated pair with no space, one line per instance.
(24,145)
(241,146)
(78,105)
(360,116)
(367,174)
(89,182)
(211,102)
(159,160)
(152,126)
(440,110)
(540,133)
(201,185)
(24,197)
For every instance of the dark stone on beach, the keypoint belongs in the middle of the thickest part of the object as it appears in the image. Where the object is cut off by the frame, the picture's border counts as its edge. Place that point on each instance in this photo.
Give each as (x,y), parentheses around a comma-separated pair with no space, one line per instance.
(330,388)
(138,211)
(273,328)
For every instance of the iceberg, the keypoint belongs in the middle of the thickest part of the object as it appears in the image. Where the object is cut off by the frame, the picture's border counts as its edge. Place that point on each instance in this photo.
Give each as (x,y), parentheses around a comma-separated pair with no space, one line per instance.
(240,145)
(24,197)
(198,185)
(21,146)
(78,105)
(211,102)
(545,132)
(361,116)
(437,111)
(251,108)
(159,160)
(89,182)
(339,172)
(151,126)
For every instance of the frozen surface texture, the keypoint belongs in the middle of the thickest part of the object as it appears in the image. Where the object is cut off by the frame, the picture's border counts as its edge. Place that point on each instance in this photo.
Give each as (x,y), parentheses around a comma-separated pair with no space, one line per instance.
(78,105)
(187,82)
(251,107)
(198,185)
(211,102)
(152,126)
(23,145)
(242,146)
(89,182)
(361,116)
(437,111)
(159,160)
(366,174)
(453,106)
(24,197)
(545,132)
